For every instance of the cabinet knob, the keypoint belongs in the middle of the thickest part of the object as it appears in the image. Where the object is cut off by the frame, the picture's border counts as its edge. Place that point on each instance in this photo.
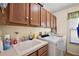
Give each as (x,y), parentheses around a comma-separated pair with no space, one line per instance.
(31,18)
(27,17)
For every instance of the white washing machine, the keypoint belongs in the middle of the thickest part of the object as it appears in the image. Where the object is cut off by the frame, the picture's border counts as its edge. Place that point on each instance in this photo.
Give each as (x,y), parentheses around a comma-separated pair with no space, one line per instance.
(55,45)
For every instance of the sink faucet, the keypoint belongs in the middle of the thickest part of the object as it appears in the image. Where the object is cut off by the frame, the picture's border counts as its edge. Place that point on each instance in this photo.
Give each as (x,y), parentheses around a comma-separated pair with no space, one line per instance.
(23,38)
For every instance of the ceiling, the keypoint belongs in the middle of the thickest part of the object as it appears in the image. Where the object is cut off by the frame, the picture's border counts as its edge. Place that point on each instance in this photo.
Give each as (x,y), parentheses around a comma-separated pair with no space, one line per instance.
(55,7)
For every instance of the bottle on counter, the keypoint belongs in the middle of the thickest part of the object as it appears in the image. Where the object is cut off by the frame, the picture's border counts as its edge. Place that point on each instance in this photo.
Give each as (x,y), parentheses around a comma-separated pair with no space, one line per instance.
(16,39)
(11,41)
(6,41)
(30,36)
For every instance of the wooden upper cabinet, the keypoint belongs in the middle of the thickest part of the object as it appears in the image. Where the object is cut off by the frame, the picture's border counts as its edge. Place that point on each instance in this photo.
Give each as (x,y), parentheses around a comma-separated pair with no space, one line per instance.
(43,17)
(52,21)
(34,14)
(48,19)
(28,13)
(18,13)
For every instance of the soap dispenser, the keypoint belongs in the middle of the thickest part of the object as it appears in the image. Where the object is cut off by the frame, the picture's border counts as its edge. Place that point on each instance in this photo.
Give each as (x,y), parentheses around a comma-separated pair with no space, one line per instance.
(6,41)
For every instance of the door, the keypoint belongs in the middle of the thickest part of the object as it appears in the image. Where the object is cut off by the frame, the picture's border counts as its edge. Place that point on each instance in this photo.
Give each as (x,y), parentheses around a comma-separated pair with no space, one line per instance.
(48,19)
(17,13)
(43,17)
(34,14)
(52,21)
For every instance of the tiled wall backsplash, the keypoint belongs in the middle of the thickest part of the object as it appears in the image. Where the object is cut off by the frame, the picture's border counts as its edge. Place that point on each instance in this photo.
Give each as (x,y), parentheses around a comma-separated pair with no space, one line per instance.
(23,31)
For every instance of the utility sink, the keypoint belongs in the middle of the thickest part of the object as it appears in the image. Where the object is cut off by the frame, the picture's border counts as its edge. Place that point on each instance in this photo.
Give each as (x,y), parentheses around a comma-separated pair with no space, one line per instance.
(26,46)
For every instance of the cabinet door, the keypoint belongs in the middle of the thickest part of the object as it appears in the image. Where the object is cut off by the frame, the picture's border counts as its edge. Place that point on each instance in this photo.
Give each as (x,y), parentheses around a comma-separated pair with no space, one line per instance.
(43,17)
(34,14)
(4,17)
(52,21)
(55,24)
(48,19)
(45,53)
(42,50)
(17,13)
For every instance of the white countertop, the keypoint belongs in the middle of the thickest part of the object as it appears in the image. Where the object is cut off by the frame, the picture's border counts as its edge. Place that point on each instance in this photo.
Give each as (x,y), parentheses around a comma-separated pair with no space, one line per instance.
(13,52)
(9,52)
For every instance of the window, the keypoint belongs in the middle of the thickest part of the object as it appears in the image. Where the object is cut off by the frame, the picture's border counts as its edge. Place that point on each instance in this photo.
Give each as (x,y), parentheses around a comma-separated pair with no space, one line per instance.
(73,25)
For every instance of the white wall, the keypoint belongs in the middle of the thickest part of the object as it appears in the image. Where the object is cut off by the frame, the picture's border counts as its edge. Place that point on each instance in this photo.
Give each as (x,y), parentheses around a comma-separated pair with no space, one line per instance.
(23,30)
(62,27)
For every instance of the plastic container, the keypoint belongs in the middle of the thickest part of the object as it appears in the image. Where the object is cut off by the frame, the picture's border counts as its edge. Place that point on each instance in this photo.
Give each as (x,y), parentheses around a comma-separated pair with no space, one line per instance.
(16,39)
(6,41)
(30,36)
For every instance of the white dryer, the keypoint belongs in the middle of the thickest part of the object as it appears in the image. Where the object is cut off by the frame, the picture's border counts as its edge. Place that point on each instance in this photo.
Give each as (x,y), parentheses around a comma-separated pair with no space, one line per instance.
(55,45)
